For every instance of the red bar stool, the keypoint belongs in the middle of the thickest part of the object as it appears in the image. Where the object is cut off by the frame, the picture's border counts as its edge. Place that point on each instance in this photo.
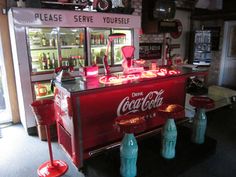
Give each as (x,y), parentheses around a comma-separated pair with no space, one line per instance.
(129,124)
(44,114)
(169,131)
(200,119)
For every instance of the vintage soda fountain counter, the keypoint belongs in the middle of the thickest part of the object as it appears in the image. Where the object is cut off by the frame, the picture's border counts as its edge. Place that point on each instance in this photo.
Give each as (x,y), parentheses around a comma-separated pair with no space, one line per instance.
(86,109)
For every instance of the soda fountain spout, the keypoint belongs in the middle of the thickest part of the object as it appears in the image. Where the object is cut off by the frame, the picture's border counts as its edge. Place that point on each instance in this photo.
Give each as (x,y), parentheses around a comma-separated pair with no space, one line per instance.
(111,37)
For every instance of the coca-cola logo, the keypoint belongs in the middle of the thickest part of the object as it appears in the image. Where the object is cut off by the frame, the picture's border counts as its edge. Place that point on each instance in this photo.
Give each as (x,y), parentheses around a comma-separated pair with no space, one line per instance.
(140,102)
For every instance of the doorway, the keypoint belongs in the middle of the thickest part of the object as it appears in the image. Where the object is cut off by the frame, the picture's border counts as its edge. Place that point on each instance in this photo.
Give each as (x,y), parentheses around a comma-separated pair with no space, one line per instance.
(228,59)
(5,111)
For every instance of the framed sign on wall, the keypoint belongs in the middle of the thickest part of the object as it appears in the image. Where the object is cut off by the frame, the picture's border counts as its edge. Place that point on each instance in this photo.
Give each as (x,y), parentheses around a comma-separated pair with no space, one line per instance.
(179,27)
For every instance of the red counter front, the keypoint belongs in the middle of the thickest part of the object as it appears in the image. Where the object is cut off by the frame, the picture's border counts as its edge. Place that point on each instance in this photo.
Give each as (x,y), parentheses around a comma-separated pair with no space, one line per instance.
(86,110)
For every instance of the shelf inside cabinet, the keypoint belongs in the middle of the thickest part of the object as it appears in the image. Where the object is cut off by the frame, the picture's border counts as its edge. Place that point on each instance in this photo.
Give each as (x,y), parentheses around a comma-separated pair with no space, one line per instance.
(71,46)
(202,51)
(40,72)
(43,48)
(98,46)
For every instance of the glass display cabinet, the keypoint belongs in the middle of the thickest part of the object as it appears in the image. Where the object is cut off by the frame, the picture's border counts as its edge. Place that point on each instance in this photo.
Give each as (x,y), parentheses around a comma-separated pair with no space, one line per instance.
(44,39)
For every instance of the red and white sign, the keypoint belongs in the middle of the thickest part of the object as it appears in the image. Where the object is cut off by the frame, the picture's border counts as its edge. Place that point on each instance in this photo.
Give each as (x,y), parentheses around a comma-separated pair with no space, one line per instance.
(54,18)
(131,104)
(99,109)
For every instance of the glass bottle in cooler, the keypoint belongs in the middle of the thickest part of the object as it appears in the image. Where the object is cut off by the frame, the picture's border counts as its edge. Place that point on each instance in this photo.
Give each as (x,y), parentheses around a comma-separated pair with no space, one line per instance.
(81,39)
(49,61)
(54,61)
(43,40)
(73,52)
(77,40)
(45,62)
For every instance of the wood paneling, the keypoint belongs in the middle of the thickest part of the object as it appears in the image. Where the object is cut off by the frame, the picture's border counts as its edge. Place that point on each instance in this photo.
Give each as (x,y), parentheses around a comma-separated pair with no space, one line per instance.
(4,32)
(3,3)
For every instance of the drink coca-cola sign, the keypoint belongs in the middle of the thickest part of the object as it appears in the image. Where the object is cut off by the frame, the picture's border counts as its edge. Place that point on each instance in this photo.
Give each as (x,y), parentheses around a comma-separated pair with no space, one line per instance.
(140,102)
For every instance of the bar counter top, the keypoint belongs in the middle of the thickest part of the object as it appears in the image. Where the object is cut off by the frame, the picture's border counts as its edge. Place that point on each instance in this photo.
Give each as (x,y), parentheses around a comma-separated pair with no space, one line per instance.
(81,84)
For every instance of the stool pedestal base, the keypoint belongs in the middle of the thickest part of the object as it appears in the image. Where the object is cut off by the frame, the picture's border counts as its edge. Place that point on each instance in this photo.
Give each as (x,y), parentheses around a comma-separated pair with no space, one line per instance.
(48,170)
(128,156)
(199,126)
(169,137)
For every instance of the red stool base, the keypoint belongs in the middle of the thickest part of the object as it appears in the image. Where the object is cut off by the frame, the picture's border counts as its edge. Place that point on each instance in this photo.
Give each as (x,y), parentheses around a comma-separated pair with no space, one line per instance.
(47,170)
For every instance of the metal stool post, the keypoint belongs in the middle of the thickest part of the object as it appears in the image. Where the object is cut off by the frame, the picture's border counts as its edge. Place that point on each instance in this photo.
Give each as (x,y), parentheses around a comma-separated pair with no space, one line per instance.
(44,114)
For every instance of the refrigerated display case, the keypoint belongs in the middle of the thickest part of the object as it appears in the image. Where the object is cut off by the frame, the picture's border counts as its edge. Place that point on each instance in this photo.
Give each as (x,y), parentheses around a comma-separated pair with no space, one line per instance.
(44,39)
(202,48)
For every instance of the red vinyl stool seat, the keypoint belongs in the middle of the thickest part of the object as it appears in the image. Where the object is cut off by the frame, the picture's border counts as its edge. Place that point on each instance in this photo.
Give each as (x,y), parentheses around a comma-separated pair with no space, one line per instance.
(45,115)
(130,123)
(169,130)
(171,111)
(202,102)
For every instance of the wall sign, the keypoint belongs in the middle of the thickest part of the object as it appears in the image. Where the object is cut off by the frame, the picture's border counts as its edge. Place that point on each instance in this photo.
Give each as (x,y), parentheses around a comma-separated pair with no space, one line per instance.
(178,33)
(65,18)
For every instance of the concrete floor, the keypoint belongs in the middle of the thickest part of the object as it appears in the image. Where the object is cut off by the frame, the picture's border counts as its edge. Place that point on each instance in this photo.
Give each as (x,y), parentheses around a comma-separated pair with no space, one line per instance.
(222,127)
(20,154)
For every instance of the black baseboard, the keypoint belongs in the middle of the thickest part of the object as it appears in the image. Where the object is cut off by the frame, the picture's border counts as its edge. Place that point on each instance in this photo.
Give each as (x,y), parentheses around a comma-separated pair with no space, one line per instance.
(32,131)
(150,163)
